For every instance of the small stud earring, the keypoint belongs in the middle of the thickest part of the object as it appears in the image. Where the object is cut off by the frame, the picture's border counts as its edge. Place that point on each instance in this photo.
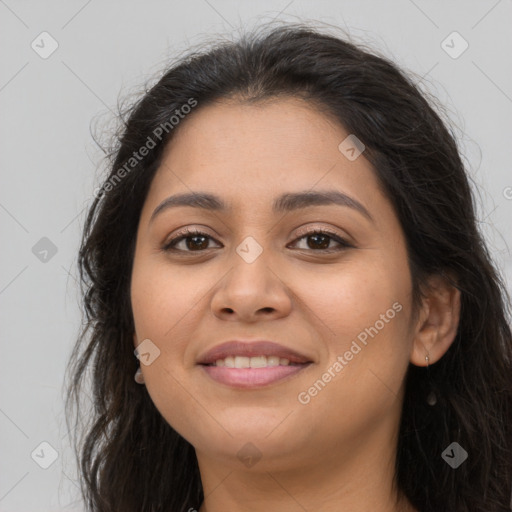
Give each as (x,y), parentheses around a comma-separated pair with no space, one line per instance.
(139,378)
(431,397)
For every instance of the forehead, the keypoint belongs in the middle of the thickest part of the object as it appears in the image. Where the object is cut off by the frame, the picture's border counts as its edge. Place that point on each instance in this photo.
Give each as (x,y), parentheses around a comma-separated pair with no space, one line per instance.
(255,133)
(252,151)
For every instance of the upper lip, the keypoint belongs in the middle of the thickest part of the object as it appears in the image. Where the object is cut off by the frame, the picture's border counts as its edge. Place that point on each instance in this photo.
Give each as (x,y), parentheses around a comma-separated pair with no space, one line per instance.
(251,349)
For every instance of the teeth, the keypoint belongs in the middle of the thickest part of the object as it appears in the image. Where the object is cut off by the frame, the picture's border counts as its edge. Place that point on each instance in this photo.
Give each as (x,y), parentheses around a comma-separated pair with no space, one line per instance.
(258,362)
(252,362)
(242,362)
(273,361)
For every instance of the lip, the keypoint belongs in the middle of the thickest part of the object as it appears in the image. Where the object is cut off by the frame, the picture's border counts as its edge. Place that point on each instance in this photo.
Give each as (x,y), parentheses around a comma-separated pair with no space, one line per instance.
(252,349)
(244,378)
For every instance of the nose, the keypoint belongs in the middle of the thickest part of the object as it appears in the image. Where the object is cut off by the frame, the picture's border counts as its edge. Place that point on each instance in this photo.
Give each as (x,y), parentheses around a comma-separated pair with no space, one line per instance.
(251,292)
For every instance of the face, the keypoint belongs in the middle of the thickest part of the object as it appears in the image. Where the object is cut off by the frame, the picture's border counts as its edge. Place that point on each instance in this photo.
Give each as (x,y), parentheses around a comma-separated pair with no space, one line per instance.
(328,280)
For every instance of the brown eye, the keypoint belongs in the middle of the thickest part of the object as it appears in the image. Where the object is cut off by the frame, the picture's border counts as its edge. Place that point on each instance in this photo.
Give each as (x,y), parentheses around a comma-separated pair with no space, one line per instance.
(320,240)
(196,242)
(190,240)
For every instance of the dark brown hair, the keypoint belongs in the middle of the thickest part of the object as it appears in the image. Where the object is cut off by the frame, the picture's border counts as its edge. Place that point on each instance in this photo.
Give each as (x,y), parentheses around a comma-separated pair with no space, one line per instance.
(130,458)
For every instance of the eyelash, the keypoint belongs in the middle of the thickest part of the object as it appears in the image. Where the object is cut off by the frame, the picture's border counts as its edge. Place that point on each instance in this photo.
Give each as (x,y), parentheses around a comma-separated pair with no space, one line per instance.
(191,232)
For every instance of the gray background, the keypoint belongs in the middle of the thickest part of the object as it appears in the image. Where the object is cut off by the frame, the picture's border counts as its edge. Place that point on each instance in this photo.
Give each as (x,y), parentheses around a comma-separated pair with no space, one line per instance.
(50,164)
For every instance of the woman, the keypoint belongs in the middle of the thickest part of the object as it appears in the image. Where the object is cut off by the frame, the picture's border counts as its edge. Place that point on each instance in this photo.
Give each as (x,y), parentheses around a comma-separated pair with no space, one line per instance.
(285,255)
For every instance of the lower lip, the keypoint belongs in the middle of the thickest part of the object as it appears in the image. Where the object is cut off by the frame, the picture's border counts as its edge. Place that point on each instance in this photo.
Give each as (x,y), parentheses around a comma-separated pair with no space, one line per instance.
(252,377)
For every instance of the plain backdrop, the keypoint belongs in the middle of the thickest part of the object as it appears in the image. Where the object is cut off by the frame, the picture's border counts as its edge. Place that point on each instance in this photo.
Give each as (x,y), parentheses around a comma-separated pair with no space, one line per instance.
(50,164)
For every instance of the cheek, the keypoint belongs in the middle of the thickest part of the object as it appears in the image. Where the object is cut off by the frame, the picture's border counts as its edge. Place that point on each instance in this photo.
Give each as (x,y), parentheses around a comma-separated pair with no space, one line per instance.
(364,309)
(164,305)
(345,299)
(163,310)
(162,300)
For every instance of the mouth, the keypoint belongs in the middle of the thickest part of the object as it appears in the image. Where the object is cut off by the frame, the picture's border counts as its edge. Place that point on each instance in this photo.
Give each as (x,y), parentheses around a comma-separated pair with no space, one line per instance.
(252,364)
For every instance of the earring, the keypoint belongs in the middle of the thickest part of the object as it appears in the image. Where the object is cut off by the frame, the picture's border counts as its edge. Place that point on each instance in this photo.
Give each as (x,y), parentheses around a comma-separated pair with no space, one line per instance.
(139,378)
(431,397)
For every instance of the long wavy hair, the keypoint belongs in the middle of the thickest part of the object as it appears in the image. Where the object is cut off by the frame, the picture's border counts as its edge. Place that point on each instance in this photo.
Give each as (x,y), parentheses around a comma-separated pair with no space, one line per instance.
(130,459)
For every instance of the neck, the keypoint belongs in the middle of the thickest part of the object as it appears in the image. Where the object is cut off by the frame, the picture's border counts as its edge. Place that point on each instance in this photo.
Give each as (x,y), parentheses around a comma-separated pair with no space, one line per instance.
(358,478)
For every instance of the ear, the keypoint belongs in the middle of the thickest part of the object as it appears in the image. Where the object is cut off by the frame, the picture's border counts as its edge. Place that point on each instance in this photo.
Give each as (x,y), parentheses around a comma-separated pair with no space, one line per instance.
(438,320)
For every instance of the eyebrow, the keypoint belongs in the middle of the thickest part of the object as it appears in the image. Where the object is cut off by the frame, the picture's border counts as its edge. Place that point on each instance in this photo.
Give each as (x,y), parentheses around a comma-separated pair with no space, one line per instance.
(288,202)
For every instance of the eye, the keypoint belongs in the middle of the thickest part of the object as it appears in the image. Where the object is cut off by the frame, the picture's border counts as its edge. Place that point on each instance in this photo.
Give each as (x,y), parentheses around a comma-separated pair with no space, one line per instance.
(319,240)
(194,240)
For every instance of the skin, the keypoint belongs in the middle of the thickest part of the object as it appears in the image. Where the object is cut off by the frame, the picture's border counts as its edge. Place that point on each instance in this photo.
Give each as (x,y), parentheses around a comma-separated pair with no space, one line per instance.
(336,452)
